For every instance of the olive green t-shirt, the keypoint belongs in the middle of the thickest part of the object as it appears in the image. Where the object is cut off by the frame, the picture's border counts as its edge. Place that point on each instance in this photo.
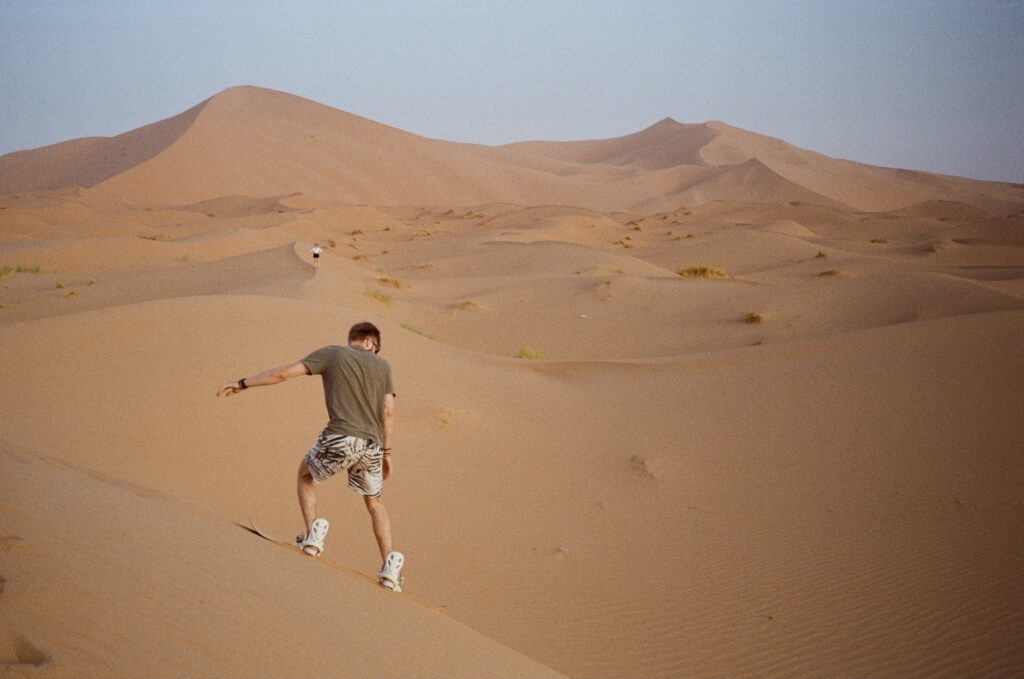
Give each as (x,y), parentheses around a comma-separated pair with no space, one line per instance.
(355,382)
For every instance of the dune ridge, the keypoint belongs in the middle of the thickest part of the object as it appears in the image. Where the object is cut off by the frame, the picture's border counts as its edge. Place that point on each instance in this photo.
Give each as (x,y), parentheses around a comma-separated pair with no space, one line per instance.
(255,141)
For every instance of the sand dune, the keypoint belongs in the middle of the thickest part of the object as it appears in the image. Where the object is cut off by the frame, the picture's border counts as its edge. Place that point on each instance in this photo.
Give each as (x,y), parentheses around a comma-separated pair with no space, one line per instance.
(149,587)
(764,419)
(257,142)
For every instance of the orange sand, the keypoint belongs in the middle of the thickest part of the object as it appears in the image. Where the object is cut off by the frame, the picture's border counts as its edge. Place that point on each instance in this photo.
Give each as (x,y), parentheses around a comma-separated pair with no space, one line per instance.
(771,472)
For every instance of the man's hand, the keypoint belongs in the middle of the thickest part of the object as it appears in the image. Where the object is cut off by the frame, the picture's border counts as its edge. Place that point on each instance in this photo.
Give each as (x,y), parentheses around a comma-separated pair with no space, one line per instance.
(266,378)
(229,389)
(387,466)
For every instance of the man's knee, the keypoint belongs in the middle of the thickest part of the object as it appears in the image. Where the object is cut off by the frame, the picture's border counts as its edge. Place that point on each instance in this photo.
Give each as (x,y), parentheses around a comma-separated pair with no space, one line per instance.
(304,469)
(373,503)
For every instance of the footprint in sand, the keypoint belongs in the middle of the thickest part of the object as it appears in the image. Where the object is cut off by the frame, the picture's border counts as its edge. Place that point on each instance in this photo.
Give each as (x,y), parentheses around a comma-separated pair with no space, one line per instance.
(8,541)
(17,651)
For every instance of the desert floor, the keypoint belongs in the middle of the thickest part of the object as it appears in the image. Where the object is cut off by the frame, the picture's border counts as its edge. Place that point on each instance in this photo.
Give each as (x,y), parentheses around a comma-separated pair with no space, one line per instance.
(735,438)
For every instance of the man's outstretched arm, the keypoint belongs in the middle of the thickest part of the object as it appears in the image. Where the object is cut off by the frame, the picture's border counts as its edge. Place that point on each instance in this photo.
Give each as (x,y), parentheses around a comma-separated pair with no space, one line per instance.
(265,378)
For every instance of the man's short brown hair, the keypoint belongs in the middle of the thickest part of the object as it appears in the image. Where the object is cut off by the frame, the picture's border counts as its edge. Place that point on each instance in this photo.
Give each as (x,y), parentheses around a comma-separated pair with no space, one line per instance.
(360,331)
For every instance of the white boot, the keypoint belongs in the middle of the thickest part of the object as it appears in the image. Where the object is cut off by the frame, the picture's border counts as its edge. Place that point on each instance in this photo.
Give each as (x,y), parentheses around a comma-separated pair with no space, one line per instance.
(314,542)
(390,576)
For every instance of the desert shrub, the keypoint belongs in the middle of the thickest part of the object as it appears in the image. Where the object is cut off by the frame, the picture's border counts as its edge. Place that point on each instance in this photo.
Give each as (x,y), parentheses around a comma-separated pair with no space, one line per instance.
(753,317)
(829,273)
(465,304)
(7,269)
(701,271)
(380,296)
(416,330)
(527,352)
(391,282)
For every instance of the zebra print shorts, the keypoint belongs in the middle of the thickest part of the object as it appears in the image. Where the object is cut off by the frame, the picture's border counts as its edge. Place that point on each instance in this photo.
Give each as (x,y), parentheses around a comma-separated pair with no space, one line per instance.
(362,459)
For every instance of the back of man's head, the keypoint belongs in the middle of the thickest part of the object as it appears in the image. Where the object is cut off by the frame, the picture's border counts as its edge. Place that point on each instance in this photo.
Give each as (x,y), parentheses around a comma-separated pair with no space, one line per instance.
(360,331)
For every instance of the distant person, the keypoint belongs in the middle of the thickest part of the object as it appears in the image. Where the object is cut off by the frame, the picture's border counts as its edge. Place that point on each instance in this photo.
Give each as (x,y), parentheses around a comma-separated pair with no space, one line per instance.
(360,398)
(316,255)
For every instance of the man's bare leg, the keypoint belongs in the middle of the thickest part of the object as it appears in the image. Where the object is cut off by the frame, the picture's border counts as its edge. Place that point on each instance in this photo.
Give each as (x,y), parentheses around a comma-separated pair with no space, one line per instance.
(307,495)
(381,524)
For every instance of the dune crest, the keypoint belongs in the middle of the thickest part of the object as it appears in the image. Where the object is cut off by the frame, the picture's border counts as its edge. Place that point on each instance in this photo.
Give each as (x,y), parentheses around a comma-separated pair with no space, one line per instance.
(254,141)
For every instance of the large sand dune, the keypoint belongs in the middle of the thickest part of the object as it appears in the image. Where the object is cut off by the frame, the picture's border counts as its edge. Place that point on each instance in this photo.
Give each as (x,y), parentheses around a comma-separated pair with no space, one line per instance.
(253,141)
(775,428)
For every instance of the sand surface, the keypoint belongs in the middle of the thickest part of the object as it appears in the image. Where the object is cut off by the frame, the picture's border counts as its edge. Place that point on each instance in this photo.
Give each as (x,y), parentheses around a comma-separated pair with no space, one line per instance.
(772,424)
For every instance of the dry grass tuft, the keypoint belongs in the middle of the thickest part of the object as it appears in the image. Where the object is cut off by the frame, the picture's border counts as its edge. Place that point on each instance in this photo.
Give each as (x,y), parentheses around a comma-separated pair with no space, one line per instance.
(830,273)
(414,329)
(465,304)
(821,255)
(702,271)
(380,296)
(358,258)
(753,317)
(391,282)
(528,353)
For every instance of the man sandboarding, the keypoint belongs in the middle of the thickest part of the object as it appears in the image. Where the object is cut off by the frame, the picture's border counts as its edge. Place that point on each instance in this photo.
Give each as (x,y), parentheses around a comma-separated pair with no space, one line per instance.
(360,400)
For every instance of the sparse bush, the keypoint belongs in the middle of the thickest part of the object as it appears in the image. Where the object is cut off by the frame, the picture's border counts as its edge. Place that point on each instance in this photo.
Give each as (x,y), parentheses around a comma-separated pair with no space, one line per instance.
(331,243)
(92,281)
(185,258)
(465,304)
(59,285)
(829,273)
(934,247)
(701,271)
(70,293)
(527,352)
(7,269)
(416,330)
(357,232)
(753,317)
(391,282)
(879,240)
(821,255)
(380,296)
(358,258)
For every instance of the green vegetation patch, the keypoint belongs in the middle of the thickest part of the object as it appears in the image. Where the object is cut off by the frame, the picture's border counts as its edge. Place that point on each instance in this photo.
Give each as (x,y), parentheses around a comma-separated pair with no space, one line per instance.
(701,271)
(527,352)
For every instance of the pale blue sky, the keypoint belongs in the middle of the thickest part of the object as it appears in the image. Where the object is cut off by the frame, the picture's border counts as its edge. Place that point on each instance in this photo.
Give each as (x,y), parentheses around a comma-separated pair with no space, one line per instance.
(926,84)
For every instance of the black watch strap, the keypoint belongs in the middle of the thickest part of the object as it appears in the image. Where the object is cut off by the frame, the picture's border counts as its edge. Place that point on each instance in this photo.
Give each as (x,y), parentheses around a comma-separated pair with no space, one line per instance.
(242,384)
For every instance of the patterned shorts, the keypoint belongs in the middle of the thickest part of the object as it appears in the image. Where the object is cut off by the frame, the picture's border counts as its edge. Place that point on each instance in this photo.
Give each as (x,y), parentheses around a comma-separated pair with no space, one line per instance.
(362,459)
